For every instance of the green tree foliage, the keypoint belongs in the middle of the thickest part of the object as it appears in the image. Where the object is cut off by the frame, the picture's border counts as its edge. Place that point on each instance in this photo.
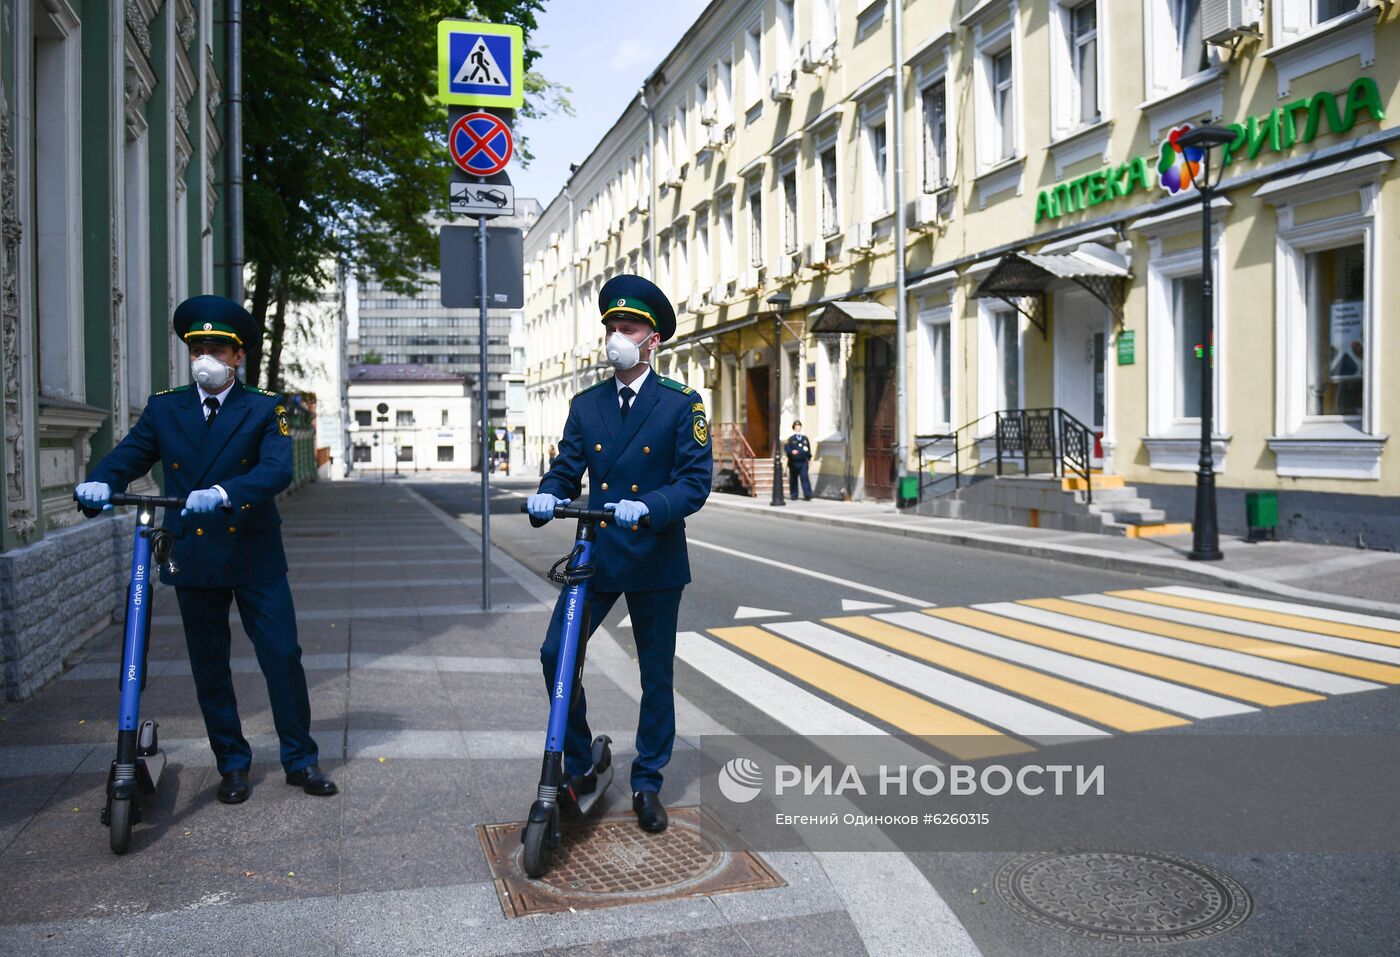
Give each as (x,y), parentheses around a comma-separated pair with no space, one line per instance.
(345,155)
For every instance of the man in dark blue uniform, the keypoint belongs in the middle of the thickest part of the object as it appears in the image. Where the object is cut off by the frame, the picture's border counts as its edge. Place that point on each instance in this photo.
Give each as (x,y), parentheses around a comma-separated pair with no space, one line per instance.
(227,450)
(644,442)
(799,453)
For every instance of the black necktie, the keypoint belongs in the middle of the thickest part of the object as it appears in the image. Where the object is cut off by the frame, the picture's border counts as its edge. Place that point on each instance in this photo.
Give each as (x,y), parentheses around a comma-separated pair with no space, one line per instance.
(212,404)
(627,395)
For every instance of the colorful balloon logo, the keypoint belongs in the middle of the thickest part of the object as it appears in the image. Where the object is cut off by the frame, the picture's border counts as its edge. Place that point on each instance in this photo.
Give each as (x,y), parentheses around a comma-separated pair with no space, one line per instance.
(1178,164)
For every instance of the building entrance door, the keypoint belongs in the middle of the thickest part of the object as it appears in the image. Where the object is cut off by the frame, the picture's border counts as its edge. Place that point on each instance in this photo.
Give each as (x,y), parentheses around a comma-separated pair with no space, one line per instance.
(758,400)
(879,419)
(1081,366)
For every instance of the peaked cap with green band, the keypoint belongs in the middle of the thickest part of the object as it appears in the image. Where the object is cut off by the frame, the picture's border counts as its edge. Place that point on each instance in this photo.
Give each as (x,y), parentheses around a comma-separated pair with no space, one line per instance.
(215,319)
(632,297)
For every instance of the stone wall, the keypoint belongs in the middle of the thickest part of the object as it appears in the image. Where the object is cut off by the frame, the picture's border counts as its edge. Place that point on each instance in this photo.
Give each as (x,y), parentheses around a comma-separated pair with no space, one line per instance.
(58,593)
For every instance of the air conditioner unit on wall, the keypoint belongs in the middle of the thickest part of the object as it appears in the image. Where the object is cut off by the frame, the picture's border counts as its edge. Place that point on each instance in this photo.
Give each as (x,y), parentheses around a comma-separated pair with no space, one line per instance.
(926,210)
(783,269)
(863,237)
(780,84)
(750,280)
(816,254)
(674,178)
(709,115)
(1225,20)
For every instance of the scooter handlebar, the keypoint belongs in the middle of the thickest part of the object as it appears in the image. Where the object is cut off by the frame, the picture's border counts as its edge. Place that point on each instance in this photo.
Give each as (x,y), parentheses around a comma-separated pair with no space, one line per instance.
(119,499)
(585,514)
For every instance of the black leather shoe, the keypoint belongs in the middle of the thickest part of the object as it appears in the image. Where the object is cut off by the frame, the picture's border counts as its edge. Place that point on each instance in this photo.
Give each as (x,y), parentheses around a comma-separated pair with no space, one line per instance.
(651,815)
(233,789)
(312,781)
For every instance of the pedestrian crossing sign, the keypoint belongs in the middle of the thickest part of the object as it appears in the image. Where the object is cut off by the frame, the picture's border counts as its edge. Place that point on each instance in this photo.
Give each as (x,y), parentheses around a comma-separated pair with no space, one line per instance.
(481,64)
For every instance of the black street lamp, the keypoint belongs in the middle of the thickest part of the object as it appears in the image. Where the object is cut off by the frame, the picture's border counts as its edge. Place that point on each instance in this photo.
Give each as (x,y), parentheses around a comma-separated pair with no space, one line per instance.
(780,301)
(1205,542)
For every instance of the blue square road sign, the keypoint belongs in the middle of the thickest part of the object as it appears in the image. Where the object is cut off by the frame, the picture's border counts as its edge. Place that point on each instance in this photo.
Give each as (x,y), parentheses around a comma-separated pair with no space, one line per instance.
(481,64)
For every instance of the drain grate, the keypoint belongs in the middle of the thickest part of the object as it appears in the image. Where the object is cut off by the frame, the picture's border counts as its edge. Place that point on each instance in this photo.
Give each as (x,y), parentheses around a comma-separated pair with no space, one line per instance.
(610,861)
(1124,897)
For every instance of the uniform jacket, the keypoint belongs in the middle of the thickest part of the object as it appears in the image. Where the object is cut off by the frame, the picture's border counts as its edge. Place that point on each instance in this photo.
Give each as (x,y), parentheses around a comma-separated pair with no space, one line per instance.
(798,448)
(247,451)
(659,455)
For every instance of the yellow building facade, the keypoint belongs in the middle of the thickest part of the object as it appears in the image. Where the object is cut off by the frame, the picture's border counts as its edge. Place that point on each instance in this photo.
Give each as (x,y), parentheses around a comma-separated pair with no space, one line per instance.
(1048,265)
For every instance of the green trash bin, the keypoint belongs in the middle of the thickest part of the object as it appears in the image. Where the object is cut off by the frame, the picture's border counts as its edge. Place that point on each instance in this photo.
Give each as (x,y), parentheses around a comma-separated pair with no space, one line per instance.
(908,490)
(1261,515)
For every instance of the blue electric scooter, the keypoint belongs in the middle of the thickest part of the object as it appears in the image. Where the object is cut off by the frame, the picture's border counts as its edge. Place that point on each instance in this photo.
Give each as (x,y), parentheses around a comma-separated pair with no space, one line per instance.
(136,771)
(573,571)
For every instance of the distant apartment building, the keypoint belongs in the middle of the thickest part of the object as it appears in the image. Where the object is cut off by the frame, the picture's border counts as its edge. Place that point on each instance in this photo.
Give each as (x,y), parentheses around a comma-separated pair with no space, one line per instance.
(418,330)
(1023,157)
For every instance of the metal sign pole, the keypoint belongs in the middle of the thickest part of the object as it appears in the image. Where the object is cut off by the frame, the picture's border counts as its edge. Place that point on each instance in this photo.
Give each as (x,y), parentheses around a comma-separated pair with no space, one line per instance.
(485,434)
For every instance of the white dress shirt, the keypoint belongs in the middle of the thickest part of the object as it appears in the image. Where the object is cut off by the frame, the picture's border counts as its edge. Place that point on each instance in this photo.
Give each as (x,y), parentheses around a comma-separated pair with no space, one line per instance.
(218,397)
(635,386)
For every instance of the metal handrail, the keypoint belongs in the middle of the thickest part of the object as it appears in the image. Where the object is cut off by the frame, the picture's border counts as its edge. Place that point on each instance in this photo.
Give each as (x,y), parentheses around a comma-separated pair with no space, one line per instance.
(731,447)
(1020,434)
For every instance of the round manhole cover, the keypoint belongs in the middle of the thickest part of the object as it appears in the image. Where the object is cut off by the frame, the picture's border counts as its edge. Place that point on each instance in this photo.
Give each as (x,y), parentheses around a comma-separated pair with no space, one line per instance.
(1128,897)
(616,857)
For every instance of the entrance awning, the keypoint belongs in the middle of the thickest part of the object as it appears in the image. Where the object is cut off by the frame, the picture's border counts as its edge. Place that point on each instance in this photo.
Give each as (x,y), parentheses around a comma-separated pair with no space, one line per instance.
(1029,276)
(849,315)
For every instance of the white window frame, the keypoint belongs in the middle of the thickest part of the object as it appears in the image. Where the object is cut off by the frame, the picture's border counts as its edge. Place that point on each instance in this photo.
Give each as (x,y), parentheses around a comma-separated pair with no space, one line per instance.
(824,22)
(791,226)
(934,410)
(935,175)
(728,258)
(704,266)
(1173,442)
(785,45)
(1173,98)
(829,201)
(989,384)
(1065,92)
(754,189)
(876,188)
(1324,446)
(755,82)
(989,44)
(1303,45)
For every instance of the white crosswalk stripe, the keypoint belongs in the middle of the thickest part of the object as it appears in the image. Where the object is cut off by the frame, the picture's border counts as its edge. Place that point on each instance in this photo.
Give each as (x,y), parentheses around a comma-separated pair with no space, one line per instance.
(1280,671)
(1128,684)
(1286,636)
(1283,607)
(976,700)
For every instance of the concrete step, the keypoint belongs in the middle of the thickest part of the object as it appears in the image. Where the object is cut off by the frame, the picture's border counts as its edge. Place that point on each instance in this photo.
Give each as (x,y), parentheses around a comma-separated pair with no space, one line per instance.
(1096,482)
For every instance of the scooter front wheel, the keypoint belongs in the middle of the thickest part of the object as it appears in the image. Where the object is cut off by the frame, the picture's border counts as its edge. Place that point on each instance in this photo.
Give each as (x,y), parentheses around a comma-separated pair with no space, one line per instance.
(119,824)
(538,849)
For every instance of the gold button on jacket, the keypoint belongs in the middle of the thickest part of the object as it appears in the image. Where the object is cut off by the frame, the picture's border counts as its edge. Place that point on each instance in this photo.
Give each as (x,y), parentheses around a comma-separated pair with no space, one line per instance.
(605,486)
(598,447)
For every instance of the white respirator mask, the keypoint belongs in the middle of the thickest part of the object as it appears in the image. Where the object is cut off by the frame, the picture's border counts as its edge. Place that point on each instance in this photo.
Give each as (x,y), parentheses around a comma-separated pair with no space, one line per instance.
(210,373)
(622,352)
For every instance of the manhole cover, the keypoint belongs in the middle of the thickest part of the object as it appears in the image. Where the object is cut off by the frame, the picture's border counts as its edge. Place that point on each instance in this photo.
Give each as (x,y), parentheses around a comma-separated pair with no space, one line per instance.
(1127,897)
(610,861)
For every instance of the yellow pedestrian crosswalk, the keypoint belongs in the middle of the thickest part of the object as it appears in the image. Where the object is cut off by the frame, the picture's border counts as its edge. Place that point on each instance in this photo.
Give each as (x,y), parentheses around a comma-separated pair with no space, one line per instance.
(1006,677)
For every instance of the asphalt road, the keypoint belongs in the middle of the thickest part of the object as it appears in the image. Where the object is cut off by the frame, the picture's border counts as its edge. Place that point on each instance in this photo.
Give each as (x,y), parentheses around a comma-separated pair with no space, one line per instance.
(761,602)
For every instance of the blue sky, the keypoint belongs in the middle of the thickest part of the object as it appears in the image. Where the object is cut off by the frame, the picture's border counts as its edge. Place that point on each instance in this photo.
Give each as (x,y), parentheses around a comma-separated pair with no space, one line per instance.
(602,50)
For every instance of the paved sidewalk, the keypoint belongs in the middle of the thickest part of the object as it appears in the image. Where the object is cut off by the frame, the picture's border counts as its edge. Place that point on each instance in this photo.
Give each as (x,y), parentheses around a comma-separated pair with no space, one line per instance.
(1352,577)
(430,716)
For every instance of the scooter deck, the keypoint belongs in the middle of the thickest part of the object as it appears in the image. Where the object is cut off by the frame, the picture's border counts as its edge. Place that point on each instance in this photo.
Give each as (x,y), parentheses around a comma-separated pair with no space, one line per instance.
(588,801)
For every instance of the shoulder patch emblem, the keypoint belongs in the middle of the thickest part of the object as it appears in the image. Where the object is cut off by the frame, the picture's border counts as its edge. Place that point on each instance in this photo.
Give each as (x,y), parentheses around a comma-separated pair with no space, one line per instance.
(701,430)
(698,407)
(282,426)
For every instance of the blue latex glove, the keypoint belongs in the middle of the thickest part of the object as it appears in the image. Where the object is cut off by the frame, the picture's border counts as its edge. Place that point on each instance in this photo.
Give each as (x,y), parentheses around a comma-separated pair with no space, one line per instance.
(94,494)
(201,501)
(542,505)
(628,511)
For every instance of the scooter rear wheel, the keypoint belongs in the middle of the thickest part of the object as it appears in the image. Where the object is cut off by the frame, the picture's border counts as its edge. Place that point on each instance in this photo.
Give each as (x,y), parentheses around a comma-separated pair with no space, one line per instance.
(119,824)
(536,854)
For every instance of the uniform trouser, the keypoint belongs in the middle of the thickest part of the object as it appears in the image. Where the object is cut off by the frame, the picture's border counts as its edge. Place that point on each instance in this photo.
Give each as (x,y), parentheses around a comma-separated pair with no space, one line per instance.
(265,608)
(798,470)
(654,629)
